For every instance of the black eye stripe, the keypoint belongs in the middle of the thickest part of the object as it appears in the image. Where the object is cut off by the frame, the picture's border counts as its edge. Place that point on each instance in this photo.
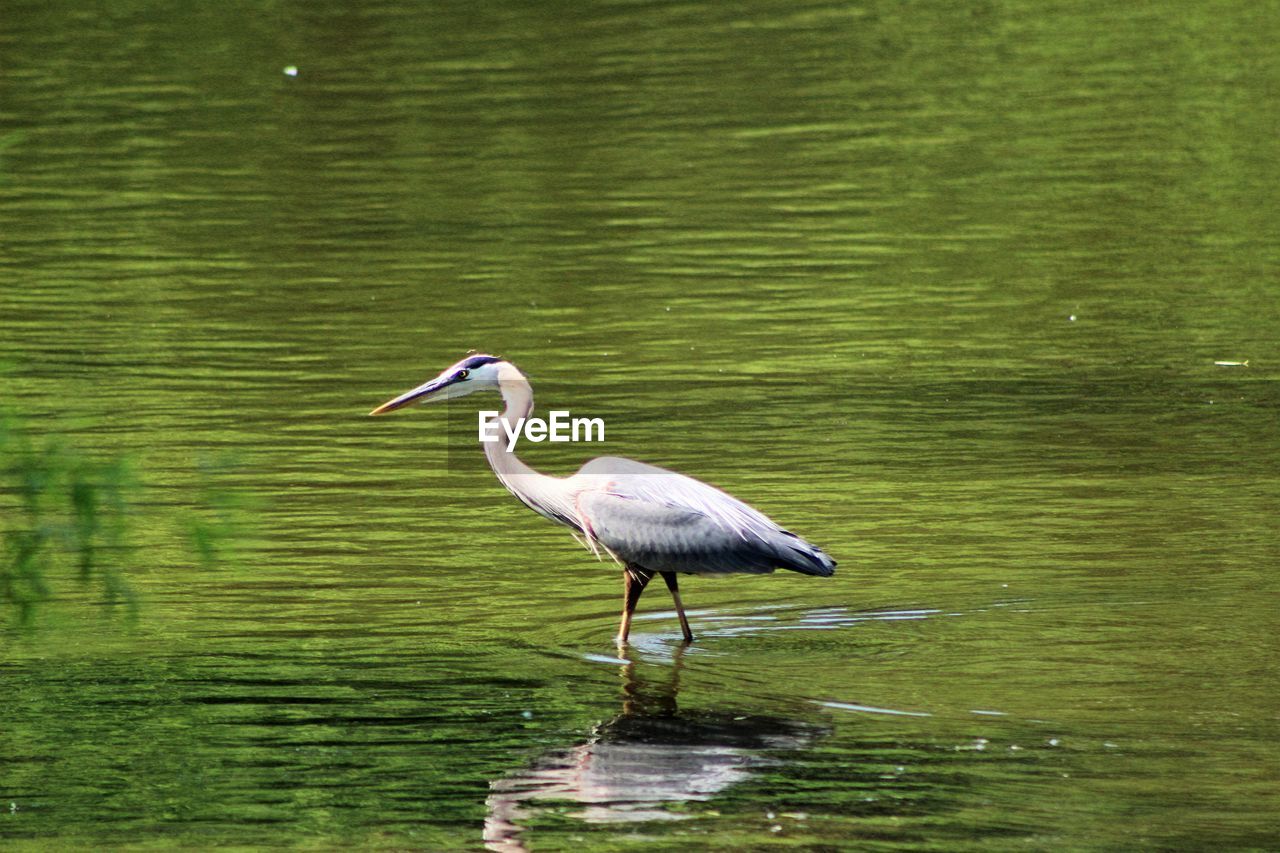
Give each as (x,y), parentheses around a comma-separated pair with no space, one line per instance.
(474,361)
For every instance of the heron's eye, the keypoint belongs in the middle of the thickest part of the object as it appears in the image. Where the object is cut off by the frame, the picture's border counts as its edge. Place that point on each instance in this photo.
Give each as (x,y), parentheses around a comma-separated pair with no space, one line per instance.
(463,374)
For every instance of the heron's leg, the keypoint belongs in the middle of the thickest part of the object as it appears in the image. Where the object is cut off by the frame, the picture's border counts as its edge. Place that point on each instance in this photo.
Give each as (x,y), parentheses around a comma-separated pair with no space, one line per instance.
(634,580)
(670,578)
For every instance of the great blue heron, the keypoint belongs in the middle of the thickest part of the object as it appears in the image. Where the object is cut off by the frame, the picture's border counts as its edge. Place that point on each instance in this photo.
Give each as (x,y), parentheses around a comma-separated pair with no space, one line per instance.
(649,519)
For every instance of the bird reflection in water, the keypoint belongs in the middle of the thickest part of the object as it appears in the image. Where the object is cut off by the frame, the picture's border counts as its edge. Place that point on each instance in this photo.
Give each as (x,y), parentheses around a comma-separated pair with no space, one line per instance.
(649,755)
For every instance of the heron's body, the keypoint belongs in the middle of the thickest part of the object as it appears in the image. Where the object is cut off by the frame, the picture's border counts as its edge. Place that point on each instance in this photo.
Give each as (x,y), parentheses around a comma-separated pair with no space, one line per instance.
(651,520)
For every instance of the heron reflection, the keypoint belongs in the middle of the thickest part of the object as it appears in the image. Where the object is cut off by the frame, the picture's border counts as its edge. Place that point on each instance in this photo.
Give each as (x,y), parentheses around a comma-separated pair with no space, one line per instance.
(648,756)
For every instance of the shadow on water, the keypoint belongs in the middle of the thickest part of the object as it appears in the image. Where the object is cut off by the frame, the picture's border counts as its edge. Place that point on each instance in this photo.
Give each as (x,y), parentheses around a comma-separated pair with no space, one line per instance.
(649,756)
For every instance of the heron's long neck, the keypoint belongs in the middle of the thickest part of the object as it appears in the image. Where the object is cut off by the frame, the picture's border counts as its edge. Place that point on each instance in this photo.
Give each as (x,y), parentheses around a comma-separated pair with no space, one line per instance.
(544,495)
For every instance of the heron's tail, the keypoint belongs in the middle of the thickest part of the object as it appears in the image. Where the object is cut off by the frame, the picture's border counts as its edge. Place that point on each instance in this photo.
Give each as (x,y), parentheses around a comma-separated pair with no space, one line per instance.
(800,556)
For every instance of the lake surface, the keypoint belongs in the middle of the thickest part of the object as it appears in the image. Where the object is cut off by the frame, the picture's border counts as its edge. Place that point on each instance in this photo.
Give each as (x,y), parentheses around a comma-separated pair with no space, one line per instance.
(941,289)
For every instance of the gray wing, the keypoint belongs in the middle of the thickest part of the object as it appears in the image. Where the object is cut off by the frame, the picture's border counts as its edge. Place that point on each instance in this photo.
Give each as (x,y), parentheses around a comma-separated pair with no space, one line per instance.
(666,521)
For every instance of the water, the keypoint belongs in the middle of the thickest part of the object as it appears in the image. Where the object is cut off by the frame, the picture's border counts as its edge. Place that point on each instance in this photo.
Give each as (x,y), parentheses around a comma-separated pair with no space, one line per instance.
(941,289)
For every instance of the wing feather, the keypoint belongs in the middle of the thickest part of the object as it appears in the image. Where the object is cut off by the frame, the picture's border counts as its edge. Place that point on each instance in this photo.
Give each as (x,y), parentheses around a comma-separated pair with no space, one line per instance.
(667,521)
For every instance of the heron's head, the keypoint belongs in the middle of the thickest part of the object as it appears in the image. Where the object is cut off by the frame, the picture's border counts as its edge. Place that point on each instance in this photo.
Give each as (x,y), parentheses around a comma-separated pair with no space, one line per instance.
(473,373)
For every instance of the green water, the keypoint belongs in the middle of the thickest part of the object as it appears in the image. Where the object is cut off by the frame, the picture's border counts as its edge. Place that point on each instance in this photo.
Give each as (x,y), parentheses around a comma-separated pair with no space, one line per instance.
(940,287)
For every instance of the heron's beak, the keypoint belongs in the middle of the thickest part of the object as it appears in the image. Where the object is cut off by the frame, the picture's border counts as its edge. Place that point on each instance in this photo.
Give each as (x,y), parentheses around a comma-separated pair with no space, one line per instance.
(421,394)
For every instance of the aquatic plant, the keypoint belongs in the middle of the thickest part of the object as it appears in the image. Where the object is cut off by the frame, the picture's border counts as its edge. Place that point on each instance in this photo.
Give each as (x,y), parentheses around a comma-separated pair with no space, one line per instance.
(60,509)
(68,515)
(216,525)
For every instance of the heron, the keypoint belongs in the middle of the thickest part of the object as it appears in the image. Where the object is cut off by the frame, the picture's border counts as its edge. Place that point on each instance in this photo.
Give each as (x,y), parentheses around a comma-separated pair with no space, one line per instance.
(651,520)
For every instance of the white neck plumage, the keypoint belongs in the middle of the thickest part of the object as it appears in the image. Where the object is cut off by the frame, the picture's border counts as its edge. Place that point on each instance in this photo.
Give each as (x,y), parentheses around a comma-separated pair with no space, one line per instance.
(544,495)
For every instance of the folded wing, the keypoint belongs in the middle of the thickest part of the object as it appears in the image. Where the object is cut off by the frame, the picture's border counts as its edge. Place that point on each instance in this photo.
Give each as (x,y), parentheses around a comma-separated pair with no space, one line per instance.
(666,521)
